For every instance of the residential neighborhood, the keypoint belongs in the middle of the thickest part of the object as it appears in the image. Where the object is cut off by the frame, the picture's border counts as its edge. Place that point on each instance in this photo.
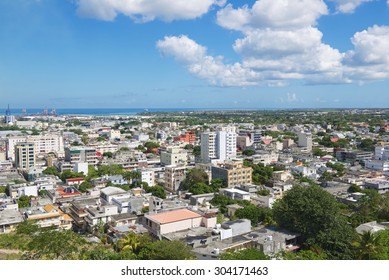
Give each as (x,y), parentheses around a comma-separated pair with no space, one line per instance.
(212,184)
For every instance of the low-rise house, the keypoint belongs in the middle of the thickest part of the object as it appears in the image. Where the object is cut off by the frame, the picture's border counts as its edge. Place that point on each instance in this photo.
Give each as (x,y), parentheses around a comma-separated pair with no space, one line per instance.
(127,203)
(231,209)
(176,220)
(236,194)
(48,216)
(372,227)
(110,192)
(9,219)
(78,211)
(99,215)
(116,180)
(381,186)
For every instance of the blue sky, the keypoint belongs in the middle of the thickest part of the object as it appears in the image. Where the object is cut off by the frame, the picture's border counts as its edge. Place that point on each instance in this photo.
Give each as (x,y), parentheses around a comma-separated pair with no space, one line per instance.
(194,53)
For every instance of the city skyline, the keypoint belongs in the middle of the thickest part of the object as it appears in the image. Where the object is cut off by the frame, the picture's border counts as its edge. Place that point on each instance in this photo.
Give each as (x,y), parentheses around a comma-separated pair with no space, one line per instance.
(194,54)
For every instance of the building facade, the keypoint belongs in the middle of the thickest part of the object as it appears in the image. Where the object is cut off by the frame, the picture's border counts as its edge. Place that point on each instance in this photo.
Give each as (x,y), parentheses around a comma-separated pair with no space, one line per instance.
(25,155)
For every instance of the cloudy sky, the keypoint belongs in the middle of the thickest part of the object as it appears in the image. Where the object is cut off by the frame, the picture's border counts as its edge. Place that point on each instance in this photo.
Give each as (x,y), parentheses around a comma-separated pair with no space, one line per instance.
(194,53)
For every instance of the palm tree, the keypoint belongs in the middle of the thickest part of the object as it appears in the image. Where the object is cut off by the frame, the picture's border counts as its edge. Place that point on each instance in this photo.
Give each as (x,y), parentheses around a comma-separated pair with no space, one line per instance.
(368,246)
(130,241)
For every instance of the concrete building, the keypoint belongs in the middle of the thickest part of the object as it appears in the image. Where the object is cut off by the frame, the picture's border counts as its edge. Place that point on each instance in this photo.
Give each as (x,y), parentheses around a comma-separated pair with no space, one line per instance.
(174,175)
(381,152)
(81,167)
(99,215)
(147,175)
(381,165)
(48,216)
(219,145)
(264,157)
(305,141)
(353,157)
(9,219)
(44,144)
(174,156)
(127,203)
(236,194)
(381,186)
(243,141)
(114,134)
(25,155)
(177,220)
(81,154)
(233,173)
(187,137)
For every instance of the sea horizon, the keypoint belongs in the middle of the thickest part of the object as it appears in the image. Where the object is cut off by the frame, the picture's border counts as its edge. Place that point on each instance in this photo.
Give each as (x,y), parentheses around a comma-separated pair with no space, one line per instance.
(134,111)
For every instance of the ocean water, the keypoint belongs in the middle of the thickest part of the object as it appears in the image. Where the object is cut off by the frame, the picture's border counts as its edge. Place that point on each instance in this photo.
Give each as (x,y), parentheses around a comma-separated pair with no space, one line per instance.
(100,111)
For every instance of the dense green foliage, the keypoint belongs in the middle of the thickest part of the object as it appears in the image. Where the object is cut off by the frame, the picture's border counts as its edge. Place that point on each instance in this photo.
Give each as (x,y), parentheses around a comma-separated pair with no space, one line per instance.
(194,176)
(255,215)
(157,191)
(316,215)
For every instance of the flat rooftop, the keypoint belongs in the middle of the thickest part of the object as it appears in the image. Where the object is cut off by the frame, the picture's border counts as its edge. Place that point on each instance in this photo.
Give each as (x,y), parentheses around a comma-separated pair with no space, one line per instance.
(173,216)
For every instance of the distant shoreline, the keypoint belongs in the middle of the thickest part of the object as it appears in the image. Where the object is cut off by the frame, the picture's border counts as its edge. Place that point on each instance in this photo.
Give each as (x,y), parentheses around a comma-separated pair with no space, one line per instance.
(136,111)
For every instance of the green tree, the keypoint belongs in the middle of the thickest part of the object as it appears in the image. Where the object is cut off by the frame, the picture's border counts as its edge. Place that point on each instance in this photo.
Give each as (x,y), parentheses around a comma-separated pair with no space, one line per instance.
(130,241)
(222,201)
(27,227)
(108,154)
(313,253)
(55,245)
(354,188)
(196,151)
(51,171)
(23,201)
(248,152)
(193,177)
(67,174)
(369,246)
(3,189)
(157,191)
(315,214)
(84,186)
(245,254)
(166,250)
(151,145)
(317,152)
(263,192)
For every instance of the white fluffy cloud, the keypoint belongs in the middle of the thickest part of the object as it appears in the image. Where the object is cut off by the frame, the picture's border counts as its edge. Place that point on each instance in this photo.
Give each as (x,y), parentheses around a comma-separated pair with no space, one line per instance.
(212,69)
(282,14)
(348,6)
(370,57)
(280,42)
(145,10)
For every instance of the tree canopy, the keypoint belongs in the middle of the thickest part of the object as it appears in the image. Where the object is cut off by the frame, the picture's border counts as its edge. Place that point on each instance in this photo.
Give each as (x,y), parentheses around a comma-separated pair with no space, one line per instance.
(316,215)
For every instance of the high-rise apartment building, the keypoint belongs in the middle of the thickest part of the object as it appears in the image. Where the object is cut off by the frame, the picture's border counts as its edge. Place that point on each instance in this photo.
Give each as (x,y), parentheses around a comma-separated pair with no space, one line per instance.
(25,155)
(219,145)
(305,141)
(44,144)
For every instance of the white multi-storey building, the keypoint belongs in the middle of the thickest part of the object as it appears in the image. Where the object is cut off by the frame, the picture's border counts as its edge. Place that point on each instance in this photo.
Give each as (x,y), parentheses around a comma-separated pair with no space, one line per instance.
(147,175)
(305,141)
(174,156)
(44,144)
(381,153)
(219,145)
